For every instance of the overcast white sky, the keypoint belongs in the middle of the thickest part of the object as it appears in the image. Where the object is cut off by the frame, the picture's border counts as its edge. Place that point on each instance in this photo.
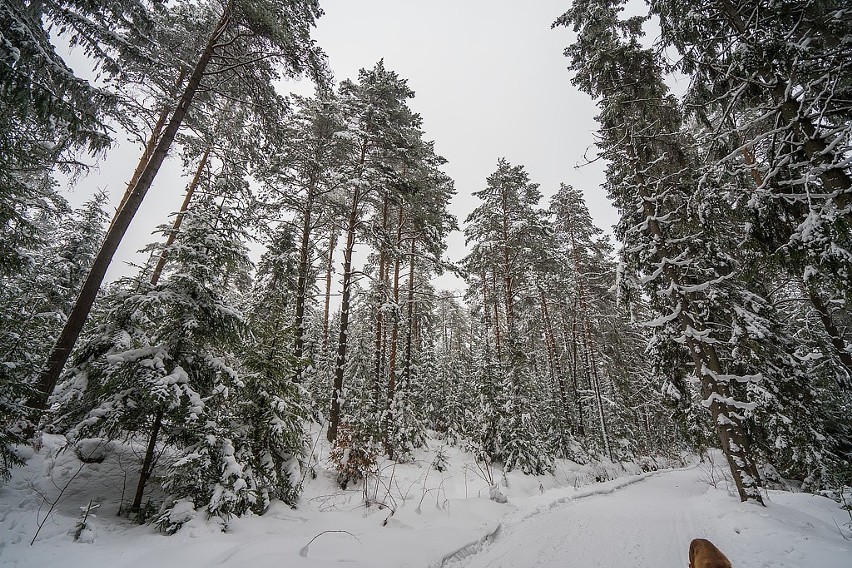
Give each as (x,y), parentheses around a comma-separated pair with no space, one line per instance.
(490,81)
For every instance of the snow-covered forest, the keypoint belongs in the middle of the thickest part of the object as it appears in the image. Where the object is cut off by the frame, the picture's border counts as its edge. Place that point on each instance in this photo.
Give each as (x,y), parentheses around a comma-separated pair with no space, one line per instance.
(285,347)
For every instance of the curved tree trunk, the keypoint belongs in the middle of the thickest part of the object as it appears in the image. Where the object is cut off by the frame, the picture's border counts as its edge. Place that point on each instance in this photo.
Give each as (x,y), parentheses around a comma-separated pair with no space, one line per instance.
(727,419)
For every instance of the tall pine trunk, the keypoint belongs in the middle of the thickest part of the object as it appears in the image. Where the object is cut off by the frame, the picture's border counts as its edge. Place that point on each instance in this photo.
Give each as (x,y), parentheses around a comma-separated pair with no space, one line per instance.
(379,343)
(329,270)
(589,341)
(190,191)
(394,341)
(150,145)
(302,278)
(345,308)
(557,377)
(79,313)
(571,346)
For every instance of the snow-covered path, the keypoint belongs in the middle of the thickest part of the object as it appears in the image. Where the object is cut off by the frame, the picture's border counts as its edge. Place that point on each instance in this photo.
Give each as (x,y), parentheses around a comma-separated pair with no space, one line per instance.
(439,520)
(650,524)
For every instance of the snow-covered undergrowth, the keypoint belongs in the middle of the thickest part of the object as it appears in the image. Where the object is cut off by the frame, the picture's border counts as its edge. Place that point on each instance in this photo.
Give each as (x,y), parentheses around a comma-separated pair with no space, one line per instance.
(406,515)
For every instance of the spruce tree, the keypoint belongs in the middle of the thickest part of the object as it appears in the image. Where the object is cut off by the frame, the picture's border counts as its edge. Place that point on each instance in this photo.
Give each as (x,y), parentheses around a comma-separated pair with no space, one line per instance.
(670,241)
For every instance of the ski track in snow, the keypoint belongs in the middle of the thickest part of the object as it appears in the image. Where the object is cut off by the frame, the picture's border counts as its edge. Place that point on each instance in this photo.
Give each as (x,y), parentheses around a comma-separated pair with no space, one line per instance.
(650,524)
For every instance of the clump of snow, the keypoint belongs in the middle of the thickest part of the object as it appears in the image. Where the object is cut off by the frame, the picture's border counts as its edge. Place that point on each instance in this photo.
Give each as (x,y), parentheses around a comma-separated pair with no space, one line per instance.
(92,450)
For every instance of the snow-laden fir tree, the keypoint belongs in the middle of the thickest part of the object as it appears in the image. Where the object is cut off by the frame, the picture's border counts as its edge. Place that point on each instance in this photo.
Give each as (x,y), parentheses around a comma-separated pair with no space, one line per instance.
(163,369)
(33,305)
(671,239)
(250,43)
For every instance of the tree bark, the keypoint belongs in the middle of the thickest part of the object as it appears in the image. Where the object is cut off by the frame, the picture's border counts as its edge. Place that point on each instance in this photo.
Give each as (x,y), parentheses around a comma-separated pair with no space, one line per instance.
(329,270)
(813,143)
(148,461)
(495,304)
(575,376)
(394,342)
(150,145)
(340,362)
(726,420)
(190,191)
(346,295)
(302,278)
(589,341)
(77,318)
(378,346)
(556,376)
(407,356)
(834,334)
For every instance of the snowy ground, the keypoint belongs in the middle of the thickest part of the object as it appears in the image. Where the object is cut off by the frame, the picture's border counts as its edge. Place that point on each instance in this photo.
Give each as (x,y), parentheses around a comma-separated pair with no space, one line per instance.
(427,519)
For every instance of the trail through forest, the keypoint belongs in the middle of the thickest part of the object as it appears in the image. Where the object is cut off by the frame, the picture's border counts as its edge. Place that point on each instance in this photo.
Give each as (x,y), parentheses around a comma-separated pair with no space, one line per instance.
(651,522)
(421,518)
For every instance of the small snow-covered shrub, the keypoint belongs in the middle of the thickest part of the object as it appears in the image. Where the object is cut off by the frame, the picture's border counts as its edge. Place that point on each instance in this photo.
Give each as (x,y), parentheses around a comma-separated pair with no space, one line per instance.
(441,461)
(211,476)
(179,513)
(352,458)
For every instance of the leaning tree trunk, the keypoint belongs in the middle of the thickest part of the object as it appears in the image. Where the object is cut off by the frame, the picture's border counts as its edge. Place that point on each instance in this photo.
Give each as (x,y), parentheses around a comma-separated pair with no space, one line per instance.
(814,145)
(148,459)
(834,334)
(79,313)
(190,191)
(150,145)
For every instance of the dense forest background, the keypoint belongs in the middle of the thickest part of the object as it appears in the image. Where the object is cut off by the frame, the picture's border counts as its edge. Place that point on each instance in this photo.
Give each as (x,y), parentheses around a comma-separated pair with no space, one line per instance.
(719,319)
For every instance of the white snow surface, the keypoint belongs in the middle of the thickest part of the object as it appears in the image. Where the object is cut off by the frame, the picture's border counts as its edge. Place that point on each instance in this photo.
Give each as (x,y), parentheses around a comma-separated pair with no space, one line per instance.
(427,519)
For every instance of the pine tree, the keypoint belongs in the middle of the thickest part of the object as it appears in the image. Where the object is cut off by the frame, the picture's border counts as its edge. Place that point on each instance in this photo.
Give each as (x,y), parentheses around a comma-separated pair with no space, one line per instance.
(304,155)
(502,228)
(767,81)
(242,30)
(380,128)
(49,116)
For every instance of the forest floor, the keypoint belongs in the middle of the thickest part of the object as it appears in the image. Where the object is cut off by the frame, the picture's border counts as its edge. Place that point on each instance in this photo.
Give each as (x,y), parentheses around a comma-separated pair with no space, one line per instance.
(602,514)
